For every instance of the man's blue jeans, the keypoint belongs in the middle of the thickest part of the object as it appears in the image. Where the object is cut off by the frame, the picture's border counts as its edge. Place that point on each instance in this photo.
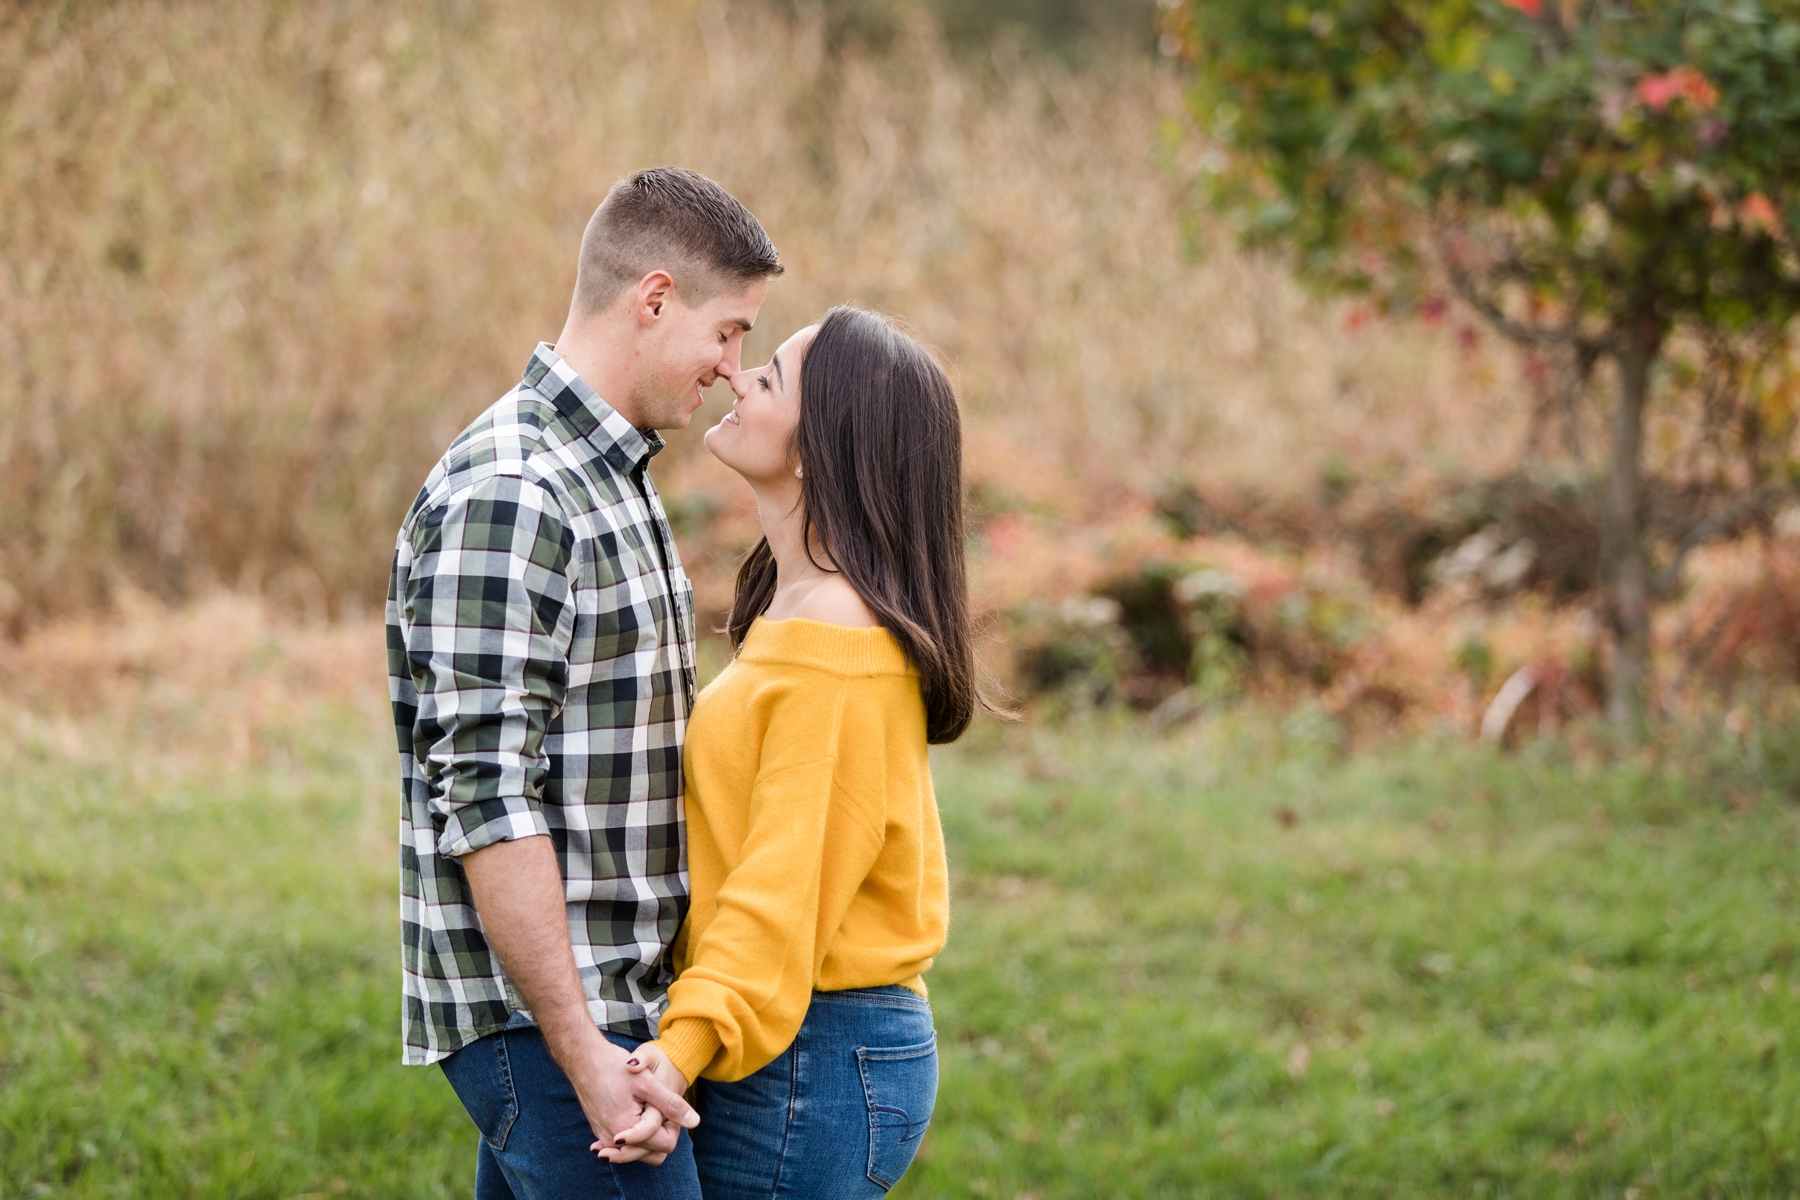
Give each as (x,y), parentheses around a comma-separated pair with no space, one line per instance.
(534,1136)
(838,1116)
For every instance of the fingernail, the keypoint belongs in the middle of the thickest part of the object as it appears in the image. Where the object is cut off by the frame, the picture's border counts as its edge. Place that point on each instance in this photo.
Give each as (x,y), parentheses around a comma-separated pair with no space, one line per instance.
(631,1062)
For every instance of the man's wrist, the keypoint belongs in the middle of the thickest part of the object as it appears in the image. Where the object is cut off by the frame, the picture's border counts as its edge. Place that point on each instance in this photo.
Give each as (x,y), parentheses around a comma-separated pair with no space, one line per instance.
(576,1043)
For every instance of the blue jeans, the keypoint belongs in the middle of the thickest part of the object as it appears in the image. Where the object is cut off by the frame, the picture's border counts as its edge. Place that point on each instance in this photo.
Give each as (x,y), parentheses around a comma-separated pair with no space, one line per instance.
(534,1136)
(838,1116)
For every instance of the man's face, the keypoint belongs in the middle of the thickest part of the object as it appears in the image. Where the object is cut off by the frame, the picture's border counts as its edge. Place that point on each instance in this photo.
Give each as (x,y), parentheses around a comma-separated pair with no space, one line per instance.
(689,348)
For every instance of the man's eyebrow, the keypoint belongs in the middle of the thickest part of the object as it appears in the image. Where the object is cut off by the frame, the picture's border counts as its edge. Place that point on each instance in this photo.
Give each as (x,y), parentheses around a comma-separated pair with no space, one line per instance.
(741,324)
(778,376)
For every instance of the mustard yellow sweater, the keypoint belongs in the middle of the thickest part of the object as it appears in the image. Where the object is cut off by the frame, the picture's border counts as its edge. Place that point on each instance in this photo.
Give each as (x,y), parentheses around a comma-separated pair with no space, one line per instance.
(814,850)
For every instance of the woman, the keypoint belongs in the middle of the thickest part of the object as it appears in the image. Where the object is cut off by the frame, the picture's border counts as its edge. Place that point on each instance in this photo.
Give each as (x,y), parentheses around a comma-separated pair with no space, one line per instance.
(815,855)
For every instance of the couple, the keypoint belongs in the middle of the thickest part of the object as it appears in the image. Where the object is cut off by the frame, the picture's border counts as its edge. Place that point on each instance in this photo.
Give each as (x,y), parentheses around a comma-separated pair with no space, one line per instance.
(598,913)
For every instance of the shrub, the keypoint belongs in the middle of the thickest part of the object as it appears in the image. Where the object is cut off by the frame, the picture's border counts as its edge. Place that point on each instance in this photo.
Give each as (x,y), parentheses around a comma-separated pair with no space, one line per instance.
(1595,178)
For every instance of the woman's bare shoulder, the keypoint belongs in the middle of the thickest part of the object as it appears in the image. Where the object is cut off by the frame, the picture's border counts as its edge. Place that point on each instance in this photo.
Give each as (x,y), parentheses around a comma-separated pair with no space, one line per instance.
(835,602)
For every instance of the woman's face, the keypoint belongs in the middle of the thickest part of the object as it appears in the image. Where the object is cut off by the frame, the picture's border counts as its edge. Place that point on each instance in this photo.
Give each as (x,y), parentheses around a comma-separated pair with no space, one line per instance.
(756,438)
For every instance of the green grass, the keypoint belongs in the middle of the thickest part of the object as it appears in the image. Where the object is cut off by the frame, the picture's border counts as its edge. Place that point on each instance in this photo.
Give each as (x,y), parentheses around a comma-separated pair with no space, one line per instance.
(1510,976)
(198,991)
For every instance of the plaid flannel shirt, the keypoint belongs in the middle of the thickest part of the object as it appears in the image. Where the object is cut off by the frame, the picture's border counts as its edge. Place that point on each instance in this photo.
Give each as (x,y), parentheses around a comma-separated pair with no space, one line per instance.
(541,668)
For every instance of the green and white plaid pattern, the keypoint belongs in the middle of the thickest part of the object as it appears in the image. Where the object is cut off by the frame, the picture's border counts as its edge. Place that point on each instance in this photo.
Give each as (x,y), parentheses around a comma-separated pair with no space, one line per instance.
(541,668)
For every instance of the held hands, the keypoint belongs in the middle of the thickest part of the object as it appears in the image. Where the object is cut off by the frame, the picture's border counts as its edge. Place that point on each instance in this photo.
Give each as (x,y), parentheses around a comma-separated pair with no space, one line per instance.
(652,1067)
(634,1114)
(650,1058)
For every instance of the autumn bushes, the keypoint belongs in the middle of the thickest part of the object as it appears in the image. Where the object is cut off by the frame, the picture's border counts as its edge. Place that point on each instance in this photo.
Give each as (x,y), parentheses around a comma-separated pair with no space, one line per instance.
(265,261)
(1174,623)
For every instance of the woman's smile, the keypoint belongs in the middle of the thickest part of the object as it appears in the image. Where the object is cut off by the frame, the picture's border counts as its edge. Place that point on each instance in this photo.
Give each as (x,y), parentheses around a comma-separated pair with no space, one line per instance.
(764,419)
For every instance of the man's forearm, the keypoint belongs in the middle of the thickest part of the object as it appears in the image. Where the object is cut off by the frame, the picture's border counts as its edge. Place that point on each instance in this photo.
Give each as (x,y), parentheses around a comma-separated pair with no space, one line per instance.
(518,891)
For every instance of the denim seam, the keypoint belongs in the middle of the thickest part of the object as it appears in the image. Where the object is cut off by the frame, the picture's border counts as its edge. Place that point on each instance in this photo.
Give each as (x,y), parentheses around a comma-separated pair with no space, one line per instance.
(913,1004)
(787,1126)
(498,1141)
(862,1071)
(896,1053)
(618,1187)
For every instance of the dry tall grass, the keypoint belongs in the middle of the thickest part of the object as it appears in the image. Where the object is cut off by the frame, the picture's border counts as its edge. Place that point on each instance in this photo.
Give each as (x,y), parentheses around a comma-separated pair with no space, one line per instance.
(262,260)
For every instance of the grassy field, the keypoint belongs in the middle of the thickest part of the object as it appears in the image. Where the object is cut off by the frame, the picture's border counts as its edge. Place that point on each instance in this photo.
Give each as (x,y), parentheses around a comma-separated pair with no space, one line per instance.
(1228,962)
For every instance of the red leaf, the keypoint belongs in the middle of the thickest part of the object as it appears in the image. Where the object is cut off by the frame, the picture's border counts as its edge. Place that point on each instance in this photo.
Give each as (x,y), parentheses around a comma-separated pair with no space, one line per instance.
(1696,87)
(1681,83)
(1656,91)
(1757,213)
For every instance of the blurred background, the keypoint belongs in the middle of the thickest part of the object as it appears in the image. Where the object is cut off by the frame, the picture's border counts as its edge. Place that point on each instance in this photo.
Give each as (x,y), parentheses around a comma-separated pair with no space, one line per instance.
(1315,866)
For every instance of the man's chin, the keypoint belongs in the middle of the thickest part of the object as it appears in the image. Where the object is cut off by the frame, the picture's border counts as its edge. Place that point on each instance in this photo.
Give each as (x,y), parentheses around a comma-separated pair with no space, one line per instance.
(682,412)
(677,416)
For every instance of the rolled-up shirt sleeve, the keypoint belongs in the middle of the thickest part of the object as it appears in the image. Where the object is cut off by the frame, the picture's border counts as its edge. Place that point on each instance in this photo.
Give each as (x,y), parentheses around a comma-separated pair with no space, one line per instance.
(488,619)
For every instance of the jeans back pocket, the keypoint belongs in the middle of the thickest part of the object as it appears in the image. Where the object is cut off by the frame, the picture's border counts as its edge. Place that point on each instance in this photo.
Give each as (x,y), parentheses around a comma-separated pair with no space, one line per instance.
(481,1075)
(900,1085)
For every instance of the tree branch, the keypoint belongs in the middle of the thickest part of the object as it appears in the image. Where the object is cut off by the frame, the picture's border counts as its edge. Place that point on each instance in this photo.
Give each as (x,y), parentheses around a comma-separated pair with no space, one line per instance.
(1568,334)
(1722,524)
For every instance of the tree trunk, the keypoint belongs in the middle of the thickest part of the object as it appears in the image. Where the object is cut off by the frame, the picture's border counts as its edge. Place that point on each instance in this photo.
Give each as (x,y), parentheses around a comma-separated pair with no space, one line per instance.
(1626,565)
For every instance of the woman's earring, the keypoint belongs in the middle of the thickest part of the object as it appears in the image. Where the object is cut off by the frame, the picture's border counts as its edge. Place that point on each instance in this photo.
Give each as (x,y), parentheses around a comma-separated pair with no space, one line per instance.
(797,474)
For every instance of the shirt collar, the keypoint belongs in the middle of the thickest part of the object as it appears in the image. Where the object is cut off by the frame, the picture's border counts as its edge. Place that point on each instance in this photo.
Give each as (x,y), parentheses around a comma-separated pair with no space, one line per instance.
(622,444)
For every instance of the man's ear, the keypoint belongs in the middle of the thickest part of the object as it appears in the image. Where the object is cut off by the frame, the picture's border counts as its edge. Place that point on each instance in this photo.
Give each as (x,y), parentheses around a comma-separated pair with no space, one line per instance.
(654,292)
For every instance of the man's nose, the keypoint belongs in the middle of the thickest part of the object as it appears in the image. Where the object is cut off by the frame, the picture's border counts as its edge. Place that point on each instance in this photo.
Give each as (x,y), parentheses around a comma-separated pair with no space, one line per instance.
(731,361)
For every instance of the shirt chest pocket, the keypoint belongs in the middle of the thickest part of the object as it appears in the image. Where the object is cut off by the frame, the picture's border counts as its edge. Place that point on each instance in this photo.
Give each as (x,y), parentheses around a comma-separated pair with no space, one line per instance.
(626,603)
(621,608)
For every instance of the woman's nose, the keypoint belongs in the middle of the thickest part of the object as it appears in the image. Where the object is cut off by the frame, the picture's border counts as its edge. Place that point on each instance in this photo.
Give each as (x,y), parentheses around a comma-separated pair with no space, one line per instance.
(737,381)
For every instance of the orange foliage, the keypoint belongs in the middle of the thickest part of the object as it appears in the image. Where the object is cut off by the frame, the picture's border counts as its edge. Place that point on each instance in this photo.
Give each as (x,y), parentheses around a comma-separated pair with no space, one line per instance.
(1680,83)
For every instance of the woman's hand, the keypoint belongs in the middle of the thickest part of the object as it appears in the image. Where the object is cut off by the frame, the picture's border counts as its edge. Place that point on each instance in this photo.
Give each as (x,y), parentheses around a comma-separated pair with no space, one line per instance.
(647,1057)
(650,1057)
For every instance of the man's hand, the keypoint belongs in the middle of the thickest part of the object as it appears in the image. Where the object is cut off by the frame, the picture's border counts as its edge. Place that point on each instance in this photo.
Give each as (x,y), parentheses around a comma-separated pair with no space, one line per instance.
(634,1114)
(518,891)
(648,1063)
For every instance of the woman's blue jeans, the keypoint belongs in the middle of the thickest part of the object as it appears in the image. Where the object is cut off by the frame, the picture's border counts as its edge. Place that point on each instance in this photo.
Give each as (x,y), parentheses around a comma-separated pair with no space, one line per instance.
(838,1116)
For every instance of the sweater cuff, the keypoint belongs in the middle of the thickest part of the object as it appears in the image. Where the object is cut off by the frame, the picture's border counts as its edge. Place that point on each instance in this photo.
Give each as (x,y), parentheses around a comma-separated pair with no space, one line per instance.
(691,1044)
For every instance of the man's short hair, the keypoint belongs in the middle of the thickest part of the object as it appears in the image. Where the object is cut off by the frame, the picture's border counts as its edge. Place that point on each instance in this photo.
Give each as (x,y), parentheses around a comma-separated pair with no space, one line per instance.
(675,220)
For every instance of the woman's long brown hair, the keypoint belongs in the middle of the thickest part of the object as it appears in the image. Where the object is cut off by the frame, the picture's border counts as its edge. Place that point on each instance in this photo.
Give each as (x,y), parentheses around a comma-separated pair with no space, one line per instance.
(880,440)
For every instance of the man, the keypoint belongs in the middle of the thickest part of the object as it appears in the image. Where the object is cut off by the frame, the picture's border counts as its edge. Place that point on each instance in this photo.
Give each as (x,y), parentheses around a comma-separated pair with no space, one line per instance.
(541,663)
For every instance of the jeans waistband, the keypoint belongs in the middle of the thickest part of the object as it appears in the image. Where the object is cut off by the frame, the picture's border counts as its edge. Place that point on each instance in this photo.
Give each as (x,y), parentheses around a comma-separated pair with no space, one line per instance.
(892,995)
